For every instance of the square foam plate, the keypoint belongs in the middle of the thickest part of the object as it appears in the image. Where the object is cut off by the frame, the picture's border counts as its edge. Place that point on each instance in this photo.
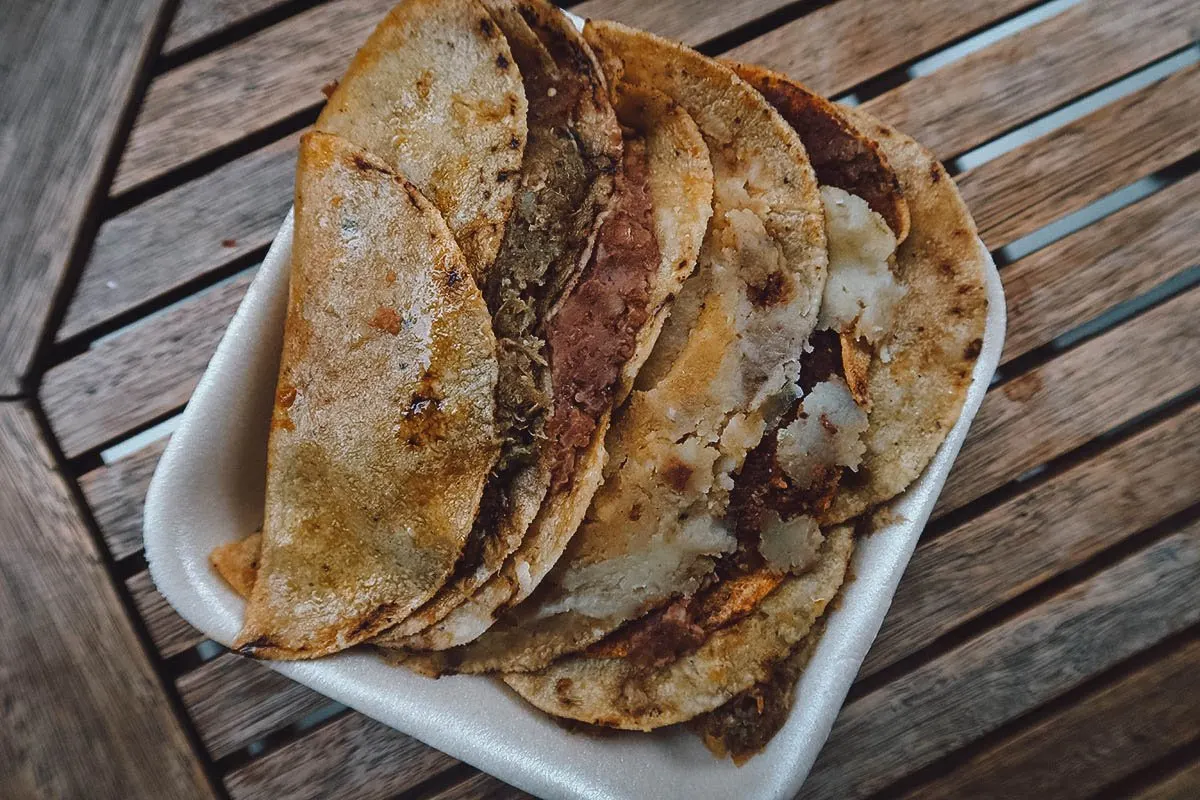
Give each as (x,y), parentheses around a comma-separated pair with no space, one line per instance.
(208,489)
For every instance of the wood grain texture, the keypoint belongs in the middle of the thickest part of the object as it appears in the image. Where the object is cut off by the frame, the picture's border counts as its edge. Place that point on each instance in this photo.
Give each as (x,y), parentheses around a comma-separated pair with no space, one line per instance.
(116,493)
(66,73)
(1109,262)
(1183,784)
(170,633)
(184,234)
(196,20)
(1058,525)
(1077,396)
(1026,188)
(993,90)
(480,786)
(1106,736)
(1011,669)
(351,757)
(139,374)
(221,97)
(841,45)
(690,21)
(83,713)
(234,700)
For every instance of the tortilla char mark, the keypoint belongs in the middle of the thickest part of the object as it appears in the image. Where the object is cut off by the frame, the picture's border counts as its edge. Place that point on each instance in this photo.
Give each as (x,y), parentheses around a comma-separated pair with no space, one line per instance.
(594,332)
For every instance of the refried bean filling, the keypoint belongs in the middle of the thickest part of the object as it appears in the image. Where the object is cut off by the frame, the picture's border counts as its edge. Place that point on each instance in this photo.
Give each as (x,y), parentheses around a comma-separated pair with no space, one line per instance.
(594,333)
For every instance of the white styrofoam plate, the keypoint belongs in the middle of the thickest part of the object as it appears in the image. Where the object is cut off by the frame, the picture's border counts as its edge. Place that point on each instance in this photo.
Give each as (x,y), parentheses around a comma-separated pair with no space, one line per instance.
(208,489)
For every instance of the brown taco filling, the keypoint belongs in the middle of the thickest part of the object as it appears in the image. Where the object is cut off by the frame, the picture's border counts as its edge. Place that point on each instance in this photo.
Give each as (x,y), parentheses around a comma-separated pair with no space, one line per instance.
(594,333)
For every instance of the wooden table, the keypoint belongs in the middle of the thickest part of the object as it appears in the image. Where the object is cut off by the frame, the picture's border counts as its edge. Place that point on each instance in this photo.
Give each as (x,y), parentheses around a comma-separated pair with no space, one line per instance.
(1044,639)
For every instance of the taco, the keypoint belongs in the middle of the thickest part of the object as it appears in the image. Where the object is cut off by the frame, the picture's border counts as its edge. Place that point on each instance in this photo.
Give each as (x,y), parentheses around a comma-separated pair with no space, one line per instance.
(383,429)
(914,375)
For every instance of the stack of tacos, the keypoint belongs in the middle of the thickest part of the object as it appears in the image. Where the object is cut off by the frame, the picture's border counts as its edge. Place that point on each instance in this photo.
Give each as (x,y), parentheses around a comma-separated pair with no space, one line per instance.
(598,354)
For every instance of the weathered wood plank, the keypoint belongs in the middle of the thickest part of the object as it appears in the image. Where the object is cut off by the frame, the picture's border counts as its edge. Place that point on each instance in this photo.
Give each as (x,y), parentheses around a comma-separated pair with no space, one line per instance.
(67,70)
(225,95)
(1022,190)
(77,690)
(352,757)
(116,493)
(184,234)
(1019,77)
(690,21)
(480,786)
(1114,260)
(234,700)
(139,374)
(171,634)
(1181,785)
(1021,543)
(841,45)
(1102,738)
(1011,668)
(196,20)
(1077,396)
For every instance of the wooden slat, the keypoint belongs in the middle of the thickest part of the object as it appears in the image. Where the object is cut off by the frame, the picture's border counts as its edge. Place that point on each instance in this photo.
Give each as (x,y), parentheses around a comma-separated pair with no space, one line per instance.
(1019,192)
(83,712)
(67,69)
(225,95)
(116,493)
(353,757)
(1077,278)
(841,45)
(1181,785)
(139,374)
(234,700)
(1032,537)
(196,20)
(1011,669)
(1019,77)
(1104,737)
(480,786)
(690,21)
(171,634)
(1081,394)
(184,234)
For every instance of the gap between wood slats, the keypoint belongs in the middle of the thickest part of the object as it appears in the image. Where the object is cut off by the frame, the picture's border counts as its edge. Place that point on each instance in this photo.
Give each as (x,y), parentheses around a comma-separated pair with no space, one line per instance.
(202,26)
(351,755)
(466,783)
(1177,777)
